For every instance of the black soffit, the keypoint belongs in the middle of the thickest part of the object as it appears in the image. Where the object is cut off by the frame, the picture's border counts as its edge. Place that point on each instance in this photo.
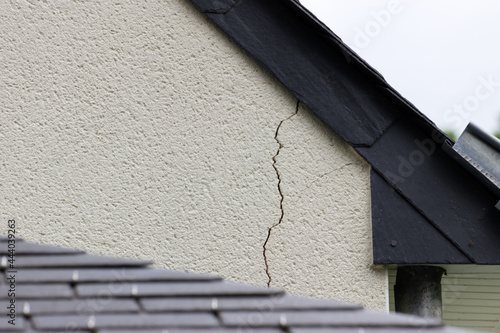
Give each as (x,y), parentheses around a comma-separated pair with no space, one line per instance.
(440,201)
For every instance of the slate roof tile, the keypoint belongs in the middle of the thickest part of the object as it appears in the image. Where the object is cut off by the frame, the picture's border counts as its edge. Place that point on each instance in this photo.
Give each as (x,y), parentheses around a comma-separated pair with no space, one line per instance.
(316,318)
(107,275)
(442,329)
(19,326)
(45,291)
(76,261)
(280,302)
(70,330)
(167,288)
(197,330)
(88,306)
(77,292)
(62,322)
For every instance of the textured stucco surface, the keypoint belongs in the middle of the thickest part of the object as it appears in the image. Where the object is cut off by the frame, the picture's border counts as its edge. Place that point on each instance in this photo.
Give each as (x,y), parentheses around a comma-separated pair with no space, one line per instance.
(137,129)
(325,186)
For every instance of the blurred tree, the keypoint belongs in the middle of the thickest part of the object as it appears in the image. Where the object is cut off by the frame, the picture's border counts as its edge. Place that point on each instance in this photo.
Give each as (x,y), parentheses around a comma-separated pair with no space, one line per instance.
(451,134)
(497,132)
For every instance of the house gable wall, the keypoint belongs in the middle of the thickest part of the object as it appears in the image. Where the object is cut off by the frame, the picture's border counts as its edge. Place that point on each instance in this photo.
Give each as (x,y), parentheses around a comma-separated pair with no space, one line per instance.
(140,130)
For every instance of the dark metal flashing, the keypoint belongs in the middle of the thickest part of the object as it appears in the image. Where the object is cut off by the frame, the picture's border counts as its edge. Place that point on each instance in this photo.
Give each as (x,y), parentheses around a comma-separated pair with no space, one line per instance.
(136,298)
(479,153)
(402,145)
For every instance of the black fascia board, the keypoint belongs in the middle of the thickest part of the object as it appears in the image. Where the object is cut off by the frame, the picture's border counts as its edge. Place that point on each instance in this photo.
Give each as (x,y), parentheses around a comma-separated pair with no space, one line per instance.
(386,130)
(402,235)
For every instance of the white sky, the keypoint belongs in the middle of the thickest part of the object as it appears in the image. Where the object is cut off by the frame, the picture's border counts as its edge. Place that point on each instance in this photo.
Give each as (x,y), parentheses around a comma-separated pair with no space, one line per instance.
(439,54)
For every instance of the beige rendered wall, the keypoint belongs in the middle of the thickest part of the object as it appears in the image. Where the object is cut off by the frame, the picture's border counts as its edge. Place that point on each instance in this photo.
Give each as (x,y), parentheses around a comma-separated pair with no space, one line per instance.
(137,129)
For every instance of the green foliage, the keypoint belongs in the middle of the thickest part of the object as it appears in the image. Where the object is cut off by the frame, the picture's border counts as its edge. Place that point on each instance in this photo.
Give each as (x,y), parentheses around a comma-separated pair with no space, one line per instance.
(454,136)
(497,132)
(451,134)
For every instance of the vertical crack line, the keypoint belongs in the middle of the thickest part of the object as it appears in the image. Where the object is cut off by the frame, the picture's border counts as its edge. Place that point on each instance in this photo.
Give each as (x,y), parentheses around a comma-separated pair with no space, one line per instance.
(282,197)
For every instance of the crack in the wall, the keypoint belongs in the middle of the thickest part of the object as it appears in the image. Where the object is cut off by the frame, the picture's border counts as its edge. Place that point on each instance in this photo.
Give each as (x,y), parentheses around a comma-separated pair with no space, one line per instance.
(282,197)
(328,173)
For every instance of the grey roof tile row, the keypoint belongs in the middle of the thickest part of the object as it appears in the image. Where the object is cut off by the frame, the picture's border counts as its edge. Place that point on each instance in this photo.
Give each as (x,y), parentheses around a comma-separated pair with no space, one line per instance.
(37,291)
(78,292)
(124,274)
(76,260)
(138,321)
(84,307)
(196,288)
(278,302)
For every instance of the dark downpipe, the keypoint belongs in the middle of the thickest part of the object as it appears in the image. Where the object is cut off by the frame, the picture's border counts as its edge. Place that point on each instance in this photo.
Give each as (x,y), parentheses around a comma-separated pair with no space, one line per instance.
(418,291)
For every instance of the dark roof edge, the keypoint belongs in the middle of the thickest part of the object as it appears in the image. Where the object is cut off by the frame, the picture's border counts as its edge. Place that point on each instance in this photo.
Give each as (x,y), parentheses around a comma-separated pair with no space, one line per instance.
(424,122)
(375,76)
(365,66)
(479,153)
(328,36)
(492,141)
